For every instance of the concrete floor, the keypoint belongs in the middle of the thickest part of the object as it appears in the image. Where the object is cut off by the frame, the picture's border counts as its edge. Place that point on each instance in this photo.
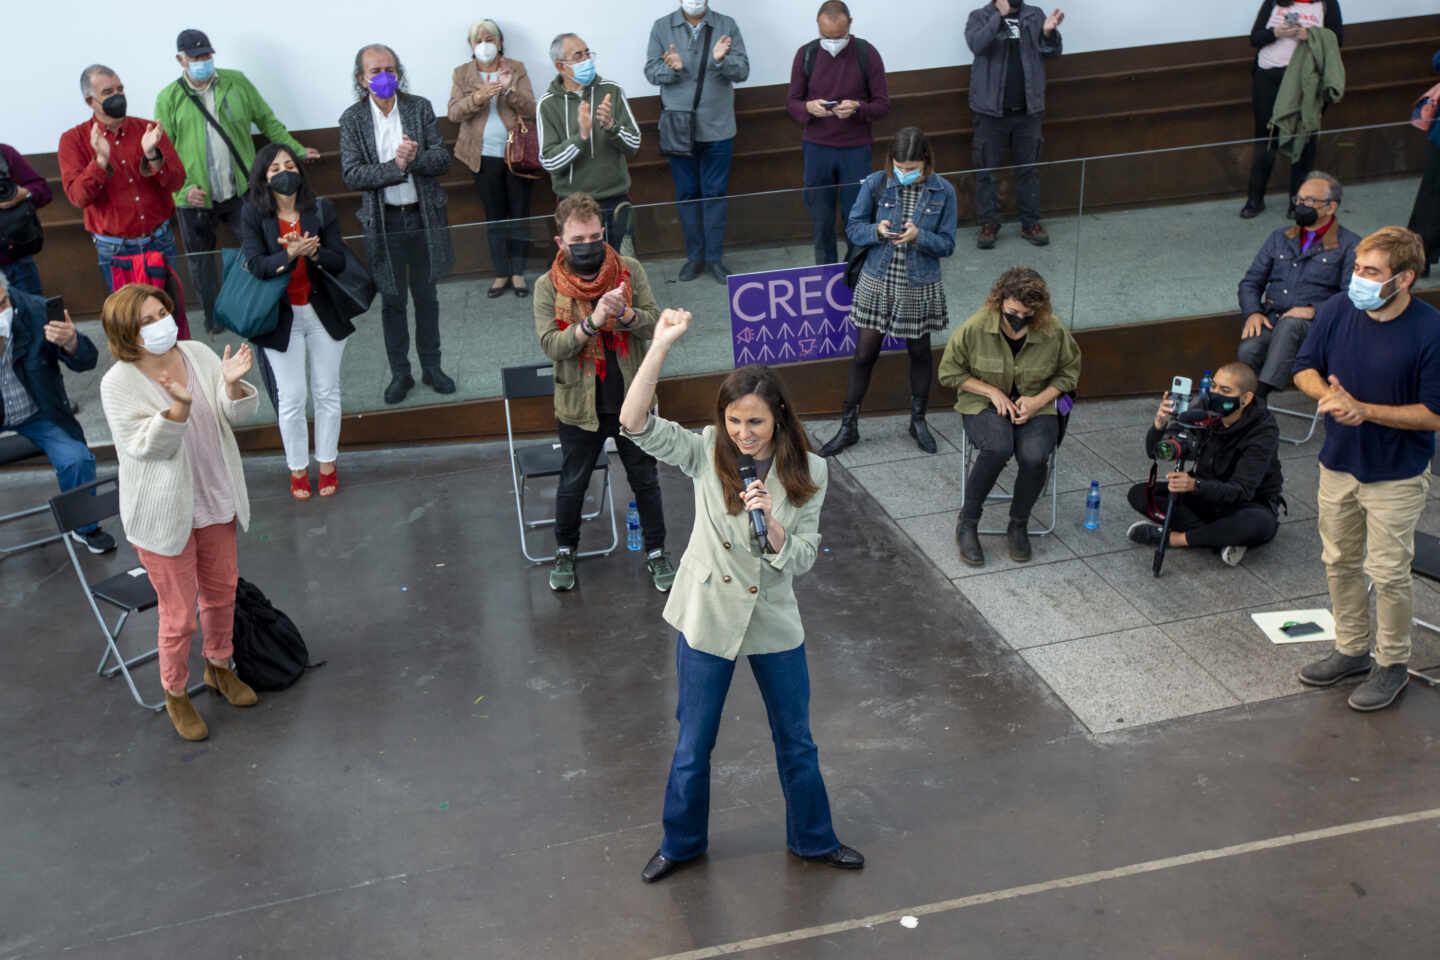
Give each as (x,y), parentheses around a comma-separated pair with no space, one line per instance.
(381,808)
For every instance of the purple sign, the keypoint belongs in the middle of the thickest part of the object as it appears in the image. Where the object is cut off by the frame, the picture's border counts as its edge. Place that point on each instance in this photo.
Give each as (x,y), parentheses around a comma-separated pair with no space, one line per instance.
(788,316)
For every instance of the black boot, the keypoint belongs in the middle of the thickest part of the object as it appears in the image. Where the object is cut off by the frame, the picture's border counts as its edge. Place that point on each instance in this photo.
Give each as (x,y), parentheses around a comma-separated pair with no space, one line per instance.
(967,536)
(847,436)
(1017,537)
(918,428)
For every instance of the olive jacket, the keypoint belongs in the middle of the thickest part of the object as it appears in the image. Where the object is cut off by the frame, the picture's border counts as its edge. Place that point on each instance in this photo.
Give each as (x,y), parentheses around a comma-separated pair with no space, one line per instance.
(977,348)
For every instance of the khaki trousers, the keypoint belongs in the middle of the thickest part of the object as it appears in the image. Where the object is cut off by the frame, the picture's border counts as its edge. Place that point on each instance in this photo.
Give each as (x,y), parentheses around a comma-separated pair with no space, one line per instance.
(1368,529)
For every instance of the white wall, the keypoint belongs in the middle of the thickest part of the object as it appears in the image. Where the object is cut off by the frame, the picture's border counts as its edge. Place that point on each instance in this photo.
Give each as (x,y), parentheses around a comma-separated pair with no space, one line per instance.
(304,72)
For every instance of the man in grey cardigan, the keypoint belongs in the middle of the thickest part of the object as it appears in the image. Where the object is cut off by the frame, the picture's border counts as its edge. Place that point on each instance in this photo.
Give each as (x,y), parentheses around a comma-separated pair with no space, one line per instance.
(1010,40)
(683,43)
(391,151)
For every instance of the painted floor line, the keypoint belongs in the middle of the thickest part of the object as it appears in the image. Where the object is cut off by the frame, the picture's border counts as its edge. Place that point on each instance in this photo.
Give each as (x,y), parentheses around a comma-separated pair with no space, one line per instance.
(1063,883)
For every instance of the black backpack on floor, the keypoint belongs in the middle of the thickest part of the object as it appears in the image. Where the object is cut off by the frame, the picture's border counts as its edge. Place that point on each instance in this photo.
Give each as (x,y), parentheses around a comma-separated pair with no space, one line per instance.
(270,654)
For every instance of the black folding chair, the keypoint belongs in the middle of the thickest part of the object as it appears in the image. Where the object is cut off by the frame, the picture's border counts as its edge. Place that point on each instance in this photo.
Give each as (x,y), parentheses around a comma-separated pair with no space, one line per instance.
(13,449)
(1426,564)
(540,460)
(129,592)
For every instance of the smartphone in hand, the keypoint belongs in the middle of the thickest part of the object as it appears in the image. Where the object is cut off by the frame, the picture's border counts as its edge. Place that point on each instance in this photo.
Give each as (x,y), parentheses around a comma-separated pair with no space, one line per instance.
(54,309)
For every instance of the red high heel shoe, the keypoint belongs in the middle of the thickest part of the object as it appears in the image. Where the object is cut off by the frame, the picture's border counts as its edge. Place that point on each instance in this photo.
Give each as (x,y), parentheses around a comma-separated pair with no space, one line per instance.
(300,487)
(329,483)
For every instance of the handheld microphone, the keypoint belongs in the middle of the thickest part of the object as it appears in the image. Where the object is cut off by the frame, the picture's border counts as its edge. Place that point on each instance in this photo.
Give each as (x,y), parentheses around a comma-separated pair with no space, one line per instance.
(757,517)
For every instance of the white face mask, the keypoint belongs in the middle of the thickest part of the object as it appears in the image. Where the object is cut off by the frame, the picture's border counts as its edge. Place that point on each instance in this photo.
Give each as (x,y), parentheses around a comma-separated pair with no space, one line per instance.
(7,316)
(160,336)
(486,51)
(692,8)
(833,47)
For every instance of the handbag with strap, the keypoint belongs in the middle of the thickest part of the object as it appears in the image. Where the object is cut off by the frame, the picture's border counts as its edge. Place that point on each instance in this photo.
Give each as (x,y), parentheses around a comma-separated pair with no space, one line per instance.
(522,151)
(247,304)
(677,127)
(20,233)
(352,290)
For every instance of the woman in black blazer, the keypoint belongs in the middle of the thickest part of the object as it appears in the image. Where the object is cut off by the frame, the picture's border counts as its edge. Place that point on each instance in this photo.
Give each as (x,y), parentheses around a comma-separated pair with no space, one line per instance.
(285,229)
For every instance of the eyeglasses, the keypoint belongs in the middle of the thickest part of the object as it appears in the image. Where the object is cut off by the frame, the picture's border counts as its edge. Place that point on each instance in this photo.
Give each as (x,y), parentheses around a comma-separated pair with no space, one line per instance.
(580,56)
(1313,203)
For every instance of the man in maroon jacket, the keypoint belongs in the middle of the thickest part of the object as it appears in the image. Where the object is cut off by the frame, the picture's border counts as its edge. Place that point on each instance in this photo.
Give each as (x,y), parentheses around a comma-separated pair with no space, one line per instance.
(837,89)
(20,272)
(121,171)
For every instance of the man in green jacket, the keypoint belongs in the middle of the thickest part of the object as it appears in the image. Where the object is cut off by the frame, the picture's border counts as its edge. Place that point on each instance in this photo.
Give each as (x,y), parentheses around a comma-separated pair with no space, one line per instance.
(587,134)
(217,164)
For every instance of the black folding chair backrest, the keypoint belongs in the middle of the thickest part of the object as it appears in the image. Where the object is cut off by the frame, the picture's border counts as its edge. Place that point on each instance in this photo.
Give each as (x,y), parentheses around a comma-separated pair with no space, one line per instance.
(531,380)
(91,503)
(1427,556)
(14,448)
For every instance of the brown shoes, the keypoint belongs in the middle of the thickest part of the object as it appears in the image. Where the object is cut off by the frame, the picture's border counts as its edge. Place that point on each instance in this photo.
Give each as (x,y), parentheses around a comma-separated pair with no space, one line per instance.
(229,686)
(188,722)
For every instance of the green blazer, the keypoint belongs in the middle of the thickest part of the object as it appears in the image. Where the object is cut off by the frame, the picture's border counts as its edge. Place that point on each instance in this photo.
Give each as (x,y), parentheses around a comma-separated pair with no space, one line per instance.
(977,349)
(729,599)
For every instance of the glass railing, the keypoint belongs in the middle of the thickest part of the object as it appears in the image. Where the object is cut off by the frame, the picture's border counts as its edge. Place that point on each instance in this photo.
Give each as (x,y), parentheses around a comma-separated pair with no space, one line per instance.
(1133,237)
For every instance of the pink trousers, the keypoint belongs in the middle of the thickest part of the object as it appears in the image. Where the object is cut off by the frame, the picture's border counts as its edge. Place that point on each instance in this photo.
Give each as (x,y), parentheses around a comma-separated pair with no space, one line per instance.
(205,571)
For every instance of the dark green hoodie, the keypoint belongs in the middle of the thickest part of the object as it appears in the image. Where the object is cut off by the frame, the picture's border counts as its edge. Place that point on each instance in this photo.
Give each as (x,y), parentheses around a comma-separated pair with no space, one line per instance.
(596,166)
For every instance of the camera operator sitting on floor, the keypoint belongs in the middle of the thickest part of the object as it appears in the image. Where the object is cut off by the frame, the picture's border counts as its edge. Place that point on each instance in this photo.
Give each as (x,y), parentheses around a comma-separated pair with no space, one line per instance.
(1232,494)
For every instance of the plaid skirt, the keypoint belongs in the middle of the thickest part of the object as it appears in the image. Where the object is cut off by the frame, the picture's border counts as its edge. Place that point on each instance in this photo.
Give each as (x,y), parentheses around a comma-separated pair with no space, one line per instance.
(898,310)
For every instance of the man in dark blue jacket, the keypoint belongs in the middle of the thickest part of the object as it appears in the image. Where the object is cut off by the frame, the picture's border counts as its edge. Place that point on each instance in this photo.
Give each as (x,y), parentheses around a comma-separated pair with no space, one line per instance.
(1298,268)
(32,395)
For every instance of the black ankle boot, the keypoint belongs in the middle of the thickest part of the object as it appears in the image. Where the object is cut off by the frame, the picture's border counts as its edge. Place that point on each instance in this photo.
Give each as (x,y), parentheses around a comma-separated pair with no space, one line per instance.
(918,429)
(967,537)
(847,436)
(1017,537)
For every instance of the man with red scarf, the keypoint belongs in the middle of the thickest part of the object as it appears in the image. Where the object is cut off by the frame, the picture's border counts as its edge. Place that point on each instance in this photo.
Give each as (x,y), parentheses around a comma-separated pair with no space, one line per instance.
(595,315)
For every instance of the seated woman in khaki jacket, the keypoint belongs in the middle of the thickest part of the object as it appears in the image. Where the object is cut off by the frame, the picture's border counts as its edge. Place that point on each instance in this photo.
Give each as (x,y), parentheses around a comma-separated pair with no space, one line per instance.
(1008,364)
(733,596)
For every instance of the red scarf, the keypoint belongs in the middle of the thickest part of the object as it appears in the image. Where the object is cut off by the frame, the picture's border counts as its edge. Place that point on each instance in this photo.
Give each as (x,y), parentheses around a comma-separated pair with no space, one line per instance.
(575,299)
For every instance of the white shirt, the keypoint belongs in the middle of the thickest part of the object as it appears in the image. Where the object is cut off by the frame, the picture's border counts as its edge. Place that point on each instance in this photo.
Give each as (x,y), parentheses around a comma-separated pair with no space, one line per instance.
(1278,54)
(388,134)
(492,142)
(217,153)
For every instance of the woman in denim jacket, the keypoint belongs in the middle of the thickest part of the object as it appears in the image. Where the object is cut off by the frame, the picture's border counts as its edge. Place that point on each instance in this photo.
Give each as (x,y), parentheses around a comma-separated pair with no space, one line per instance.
(906,216)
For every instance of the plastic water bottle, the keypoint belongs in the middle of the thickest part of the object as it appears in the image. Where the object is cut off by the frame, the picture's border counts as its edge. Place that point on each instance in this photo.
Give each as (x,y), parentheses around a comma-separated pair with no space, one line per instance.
(632,528)
(1092,506)
(1204,390)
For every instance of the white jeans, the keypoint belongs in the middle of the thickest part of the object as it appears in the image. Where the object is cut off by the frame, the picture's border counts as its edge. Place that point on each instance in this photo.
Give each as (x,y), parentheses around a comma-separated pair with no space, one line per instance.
(308,336)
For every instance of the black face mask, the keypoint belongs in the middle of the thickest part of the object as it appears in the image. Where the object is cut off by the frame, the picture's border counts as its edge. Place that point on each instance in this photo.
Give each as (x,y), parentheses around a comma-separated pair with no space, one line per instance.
(1018,323)
(586,259)
(1306,215)
(286,183)
(1220,404)
(113,106)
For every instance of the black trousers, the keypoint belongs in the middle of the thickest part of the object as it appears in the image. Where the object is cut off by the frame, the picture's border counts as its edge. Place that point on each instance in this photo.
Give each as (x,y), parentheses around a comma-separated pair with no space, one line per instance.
(506,198)
(579,449)
(1264,85)
(410,265)
(1425,215)
(997,440)
(616,227)
(1017,134)
(198,235)
(1208,525)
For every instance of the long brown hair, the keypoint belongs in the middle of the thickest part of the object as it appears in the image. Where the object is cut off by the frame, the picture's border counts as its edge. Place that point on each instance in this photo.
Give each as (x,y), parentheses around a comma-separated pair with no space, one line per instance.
(791,448)
(1027,286)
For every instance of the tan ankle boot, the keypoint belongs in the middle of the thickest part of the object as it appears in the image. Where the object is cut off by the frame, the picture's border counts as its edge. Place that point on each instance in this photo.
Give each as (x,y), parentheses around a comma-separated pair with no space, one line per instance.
(231,687)
(188,722)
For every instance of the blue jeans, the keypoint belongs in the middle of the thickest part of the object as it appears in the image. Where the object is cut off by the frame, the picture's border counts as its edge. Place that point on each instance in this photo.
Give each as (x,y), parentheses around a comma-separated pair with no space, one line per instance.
(784,681)
(705,173)
(73,462)
(23,275)
(835,174)
(107,250)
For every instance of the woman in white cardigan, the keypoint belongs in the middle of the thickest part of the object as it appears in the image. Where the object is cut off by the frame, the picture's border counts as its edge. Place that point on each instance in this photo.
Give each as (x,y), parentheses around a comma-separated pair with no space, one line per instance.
(170,407)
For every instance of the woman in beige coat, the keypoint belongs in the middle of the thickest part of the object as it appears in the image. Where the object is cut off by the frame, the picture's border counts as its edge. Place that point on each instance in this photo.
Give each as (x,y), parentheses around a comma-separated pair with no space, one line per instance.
(733,595)
(490,96)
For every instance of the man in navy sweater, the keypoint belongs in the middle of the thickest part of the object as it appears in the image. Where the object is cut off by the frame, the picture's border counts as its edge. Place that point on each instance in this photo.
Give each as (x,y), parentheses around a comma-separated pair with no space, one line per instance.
(1372,360)
(837,90)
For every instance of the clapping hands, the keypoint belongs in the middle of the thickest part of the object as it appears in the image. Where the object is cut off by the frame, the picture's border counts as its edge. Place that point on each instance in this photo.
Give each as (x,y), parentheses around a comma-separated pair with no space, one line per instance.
(405,153)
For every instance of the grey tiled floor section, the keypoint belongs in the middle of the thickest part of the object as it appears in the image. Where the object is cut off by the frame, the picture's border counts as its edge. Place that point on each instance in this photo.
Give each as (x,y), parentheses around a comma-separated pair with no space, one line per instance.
(1119,646)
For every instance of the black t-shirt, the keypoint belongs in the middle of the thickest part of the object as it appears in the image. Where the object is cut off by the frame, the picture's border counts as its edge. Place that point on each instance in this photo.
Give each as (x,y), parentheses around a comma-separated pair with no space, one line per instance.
(1015,346)
(1014,69)
(610,392)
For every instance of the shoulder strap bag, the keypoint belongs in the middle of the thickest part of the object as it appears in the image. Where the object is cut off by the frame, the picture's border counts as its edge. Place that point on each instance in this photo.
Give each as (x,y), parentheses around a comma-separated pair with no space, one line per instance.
(677,127)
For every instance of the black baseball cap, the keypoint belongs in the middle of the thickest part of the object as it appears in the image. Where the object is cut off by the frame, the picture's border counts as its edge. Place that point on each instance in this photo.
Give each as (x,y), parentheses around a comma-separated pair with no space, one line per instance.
(193,43)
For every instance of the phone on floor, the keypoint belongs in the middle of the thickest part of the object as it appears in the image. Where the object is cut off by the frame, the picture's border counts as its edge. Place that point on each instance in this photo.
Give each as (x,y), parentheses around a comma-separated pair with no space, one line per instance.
(54,309)
(1301,629)
(1180,393)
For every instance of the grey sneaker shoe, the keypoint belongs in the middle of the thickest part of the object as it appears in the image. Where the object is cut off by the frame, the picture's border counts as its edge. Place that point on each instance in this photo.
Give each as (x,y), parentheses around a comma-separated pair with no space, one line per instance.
(1231,556)
(562,574)
(1017,538)
(1334,668)
(662,571)
(1380,688)
(1144,533)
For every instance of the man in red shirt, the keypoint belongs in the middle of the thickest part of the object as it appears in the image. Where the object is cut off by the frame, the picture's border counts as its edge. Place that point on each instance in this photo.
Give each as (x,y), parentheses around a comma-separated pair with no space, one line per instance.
(120,171)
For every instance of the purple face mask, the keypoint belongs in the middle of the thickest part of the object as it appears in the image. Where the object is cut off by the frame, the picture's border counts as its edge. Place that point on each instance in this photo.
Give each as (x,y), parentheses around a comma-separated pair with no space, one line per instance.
(383,85)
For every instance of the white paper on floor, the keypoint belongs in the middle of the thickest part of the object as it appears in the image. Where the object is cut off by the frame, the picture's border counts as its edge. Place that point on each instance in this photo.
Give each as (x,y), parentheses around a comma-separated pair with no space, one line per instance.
(1271,623)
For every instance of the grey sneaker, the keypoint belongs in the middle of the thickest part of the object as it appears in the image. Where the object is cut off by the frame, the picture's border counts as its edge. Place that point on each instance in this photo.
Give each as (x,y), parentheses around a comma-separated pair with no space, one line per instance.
(1231,556)
(1144,533)
(1334,668)
(662,572)
(1380,688)
(562,574)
